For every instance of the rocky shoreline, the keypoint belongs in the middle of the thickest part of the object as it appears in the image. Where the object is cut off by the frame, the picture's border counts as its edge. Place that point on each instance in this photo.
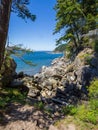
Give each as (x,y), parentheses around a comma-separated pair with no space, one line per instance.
(64,79)
(61,84)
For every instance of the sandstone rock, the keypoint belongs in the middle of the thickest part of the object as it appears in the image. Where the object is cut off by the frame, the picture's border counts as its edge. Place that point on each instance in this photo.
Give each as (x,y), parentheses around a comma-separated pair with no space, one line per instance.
(43,94)
(49,87)
(33,93)
(72,78)
(52,127)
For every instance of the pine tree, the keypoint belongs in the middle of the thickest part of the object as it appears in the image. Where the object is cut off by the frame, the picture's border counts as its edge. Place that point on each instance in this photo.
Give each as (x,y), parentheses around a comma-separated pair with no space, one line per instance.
(75,18)
(69,16)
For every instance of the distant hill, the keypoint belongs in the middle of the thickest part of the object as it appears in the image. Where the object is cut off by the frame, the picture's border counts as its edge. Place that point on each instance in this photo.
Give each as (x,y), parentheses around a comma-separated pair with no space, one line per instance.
(60,48)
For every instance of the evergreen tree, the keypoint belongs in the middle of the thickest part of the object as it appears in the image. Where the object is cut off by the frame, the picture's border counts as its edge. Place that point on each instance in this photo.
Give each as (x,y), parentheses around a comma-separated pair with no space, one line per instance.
(69,16)
(75,18)
(90,9)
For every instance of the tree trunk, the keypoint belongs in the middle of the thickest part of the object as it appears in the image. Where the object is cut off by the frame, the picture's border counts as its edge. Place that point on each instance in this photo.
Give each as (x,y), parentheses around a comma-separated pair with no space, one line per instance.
(74,39)
(5,10)
(77,35)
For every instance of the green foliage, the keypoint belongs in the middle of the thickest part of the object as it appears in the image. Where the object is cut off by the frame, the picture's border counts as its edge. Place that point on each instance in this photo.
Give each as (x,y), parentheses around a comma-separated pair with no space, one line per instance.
(69,50)
(93,89)
(8,95)
(27,61)
(4,101)
(96,46)
(75,18)
(93,104)
(87,58)
(39,105)
(87,114)
(69,110)
(19,51)
(91,44)
(69,47)
(73,13)
(60,48)
(85,41)
(20,7)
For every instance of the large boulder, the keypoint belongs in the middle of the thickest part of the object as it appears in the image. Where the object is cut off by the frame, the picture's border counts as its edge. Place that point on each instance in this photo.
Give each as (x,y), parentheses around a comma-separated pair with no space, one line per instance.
(7,73)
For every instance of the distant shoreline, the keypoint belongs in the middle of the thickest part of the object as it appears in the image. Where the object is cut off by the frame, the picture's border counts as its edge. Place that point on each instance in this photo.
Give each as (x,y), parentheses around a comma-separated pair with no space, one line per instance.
(41,58)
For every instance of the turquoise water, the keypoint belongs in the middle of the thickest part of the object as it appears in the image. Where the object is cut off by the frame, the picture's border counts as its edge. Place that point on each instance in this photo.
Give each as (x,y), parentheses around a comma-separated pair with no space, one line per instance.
(40,58)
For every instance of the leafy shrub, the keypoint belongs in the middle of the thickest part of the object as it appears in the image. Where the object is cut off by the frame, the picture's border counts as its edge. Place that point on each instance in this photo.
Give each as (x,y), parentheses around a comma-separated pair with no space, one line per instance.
(87,58)
(96,46)
(60,48)
(69,110)
(69,51)
(87,114)
(85,41)
(39,105)
(91,43)
(93,89)
(3,101)
(93,104)
(8,95)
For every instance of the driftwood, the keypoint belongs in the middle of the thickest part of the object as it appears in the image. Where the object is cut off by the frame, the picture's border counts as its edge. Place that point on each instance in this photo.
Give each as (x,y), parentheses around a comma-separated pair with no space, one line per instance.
(59,101)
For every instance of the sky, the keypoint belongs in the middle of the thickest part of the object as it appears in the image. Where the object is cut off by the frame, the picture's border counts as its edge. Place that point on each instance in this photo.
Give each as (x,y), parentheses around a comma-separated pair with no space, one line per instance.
(36,35)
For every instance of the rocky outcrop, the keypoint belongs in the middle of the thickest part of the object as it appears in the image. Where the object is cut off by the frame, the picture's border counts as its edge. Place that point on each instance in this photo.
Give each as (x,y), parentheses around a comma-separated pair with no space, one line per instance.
(64,81)
(7,73)
(61,84)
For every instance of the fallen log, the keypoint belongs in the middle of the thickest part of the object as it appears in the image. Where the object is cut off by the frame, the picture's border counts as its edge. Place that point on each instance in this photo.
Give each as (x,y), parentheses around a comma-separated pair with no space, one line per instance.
(59,101)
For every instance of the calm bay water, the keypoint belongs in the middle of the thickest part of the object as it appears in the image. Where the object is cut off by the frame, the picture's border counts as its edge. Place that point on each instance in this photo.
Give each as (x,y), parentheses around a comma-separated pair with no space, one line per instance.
(40,58)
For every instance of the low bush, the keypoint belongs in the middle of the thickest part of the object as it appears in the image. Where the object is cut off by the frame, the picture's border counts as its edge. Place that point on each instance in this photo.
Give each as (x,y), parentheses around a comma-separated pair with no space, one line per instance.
(87,58)
(39,105)
(69,50)
(96,46)
(8,95)
(69,110)
(93,89)
(87,114)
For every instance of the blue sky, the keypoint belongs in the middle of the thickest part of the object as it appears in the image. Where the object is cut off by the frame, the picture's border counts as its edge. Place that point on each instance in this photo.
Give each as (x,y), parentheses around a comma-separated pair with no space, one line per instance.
(36,35)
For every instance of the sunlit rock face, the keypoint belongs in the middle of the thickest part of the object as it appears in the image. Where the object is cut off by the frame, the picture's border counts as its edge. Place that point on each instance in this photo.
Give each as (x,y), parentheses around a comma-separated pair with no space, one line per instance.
(68,79)
(65,80)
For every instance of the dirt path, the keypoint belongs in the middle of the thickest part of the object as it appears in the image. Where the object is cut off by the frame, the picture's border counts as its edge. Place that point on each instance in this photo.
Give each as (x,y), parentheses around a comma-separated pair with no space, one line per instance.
(26,117)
